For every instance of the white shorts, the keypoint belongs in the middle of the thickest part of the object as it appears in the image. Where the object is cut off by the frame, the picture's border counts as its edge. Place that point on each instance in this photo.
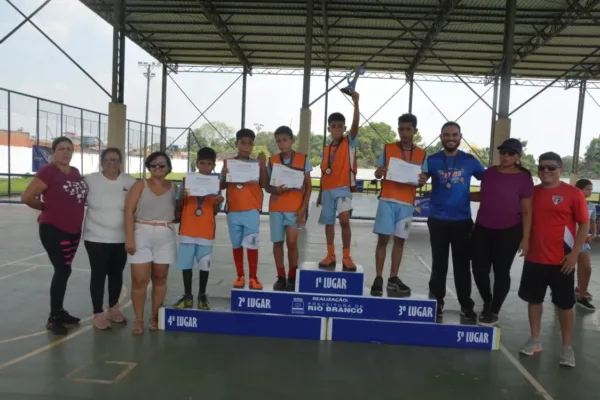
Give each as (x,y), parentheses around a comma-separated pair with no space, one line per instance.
(155,244)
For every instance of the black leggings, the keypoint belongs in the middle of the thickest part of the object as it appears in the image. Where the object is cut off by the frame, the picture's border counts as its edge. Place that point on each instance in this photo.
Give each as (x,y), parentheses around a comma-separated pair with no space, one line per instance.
(61,248)
(497,248)
(106,259)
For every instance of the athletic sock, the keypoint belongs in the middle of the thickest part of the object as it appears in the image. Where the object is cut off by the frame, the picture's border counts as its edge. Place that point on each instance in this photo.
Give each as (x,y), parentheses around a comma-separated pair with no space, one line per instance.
(292,273)
(238,259)
(346,253)
(281,272)
(252,262)
(203,282)
(187,281)
(331,250)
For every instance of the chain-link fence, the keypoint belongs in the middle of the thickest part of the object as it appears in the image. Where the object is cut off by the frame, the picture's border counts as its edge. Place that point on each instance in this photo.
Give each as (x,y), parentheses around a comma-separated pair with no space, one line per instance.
(27,122)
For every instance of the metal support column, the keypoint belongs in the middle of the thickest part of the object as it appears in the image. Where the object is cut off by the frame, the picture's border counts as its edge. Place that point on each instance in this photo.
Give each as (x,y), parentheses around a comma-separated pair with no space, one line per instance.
(244,81)
(116,108)
(9,160)
(163,109)
(305,115)
(325,123)
(578,124)
(410,92)
(502,129)
(494,116)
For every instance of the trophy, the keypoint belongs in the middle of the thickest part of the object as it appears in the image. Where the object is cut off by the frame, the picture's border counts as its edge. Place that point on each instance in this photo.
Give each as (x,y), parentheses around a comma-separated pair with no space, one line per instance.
(360,70)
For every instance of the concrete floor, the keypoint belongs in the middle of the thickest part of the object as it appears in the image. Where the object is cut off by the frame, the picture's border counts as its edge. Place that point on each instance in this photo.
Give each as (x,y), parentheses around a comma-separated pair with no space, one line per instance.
(89,364)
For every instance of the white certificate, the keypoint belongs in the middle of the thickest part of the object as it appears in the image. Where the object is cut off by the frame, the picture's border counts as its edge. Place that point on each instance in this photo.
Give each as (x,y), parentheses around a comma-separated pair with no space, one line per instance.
(202,185)
(282,175)
(403,172)
(242,171)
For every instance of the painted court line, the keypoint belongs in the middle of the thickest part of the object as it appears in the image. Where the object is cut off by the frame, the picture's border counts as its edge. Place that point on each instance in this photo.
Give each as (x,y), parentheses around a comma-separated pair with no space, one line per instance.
(57,342)
(19,272)
(22,259)
(45,332)
(534,382)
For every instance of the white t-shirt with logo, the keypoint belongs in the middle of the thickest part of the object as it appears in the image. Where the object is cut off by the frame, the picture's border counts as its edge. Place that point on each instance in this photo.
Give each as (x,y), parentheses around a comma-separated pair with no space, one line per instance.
(105,215)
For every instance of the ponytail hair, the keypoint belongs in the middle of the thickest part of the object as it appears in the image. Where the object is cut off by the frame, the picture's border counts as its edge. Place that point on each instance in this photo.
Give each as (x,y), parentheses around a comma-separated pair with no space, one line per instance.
(523,169)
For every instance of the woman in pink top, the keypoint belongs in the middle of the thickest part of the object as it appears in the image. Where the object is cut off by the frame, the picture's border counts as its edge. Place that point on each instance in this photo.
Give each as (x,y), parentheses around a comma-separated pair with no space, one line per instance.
(63,192)
(502,227)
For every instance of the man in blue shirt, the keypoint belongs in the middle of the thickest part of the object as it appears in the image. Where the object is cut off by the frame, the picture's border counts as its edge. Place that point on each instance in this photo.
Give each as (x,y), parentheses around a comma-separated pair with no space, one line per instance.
(450,222)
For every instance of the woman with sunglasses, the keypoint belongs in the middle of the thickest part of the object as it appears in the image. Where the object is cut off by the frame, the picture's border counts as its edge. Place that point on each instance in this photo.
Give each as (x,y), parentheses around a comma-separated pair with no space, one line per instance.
(104,235)
(150,237)
(502,227)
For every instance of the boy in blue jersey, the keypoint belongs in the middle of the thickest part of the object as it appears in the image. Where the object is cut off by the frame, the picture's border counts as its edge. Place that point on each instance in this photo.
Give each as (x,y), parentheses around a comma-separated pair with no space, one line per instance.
(450,222)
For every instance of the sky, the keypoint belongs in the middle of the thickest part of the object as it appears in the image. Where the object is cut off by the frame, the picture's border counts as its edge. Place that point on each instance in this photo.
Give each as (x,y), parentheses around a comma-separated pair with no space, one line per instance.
(37,68)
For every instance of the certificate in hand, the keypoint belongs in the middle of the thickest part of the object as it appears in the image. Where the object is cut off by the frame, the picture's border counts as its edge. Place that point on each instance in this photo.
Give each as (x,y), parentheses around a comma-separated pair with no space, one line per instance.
(282,175)
(242,171)
(202,185)
(403,172)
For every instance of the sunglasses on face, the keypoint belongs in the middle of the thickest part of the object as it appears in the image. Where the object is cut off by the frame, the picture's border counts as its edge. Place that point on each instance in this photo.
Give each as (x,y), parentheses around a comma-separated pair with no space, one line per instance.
(505,152)
(158,165)
(550,168)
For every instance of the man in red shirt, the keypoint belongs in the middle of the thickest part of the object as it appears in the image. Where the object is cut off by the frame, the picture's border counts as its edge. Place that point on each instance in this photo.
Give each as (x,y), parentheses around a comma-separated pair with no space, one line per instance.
(559,229)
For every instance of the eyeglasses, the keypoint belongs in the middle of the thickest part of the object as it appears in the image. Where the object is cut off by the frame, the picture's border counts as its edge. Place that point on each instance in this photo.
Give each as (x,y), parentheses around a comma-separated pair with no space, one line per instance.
(550,168)
(505,152)
(158,165)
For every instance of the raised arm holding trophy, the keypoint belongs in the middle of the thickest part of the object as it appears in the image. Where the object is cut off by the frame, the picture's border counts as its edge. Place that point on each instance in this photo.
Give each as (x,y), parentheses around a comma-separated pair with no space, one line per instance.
(360,70)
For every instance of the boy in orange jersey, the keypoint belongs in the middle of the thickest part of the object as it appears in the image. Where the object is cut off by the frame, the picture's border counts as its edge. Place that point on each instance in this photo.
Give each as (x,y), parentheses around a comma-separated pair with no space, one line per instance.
(396,205)
(338,180)
(287,207)
(244,204)
(197,232)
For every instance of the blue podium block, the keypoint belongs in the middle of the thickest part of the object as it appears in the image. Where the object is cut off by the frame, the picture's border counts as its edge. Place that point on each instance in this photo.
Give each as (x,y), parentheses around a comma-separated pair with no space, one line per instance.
(415,334)
(243,324)
(311,279)
(332,306)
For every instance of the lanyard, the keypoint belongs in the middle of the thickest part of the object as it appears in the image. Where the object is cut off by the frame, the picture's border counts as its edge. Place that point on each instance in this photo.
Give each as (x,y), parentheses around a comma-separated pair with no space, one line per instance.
(199,204)
(412,148)
(453,166)
(291,158)
(329,158)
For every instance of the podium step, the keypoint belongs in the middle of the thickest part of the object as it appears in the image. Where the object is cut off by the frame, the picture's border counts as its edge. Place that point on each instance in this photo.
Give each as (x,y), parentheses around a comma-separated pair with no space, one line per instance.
(312,279)
(244,324)
(333,306)
(414,334)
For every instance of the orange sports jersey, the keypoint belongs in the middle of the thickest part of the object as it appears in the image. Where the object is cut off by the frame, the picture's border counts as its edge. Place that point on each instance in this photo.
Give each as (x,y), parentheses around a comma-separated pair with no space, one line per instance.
(341,171)
(555,215)
(395,191)
(243,196)
(198,220)
(291,200)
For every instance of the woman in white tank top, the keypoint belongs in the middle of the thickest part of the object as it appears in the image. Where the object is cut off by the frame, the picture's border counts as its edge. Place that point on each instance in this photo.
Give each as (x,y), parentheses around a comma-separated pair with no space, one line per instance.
(150,237)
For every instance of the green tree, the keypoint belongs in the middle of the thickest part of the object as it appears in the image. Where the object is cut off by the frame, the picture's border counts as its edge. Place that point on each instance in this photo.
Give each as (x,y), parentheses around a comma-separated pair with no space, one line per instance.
(218,139)
(591,160)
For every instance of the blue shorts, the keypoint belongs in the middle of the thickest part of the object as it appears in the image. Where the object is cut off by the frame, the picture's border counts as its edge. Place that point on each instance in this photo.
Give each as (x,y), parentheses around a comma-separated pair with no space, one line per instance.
(585,248)
(333,203)
(393,219)
(190,254)
(279,221)
(243,228)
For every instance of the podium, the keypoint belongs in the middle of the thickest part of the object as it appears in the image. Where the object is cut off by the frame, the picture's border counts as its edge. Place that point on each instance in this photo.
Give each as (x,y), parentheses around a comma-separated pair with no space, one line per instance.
(329,305)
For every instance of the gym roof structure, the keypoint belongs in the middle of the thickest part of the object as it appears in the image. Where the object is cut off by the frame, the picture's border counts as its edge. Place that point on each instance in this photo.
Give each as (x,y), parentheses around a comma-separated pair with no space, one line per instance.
(552,39)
